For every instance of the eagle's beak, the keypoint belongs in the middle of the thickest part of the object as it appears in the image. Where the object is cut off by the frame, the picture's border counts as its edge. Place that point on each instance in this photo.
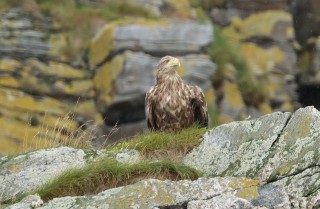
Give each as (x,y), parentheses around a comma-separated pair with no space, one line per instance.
(174,62)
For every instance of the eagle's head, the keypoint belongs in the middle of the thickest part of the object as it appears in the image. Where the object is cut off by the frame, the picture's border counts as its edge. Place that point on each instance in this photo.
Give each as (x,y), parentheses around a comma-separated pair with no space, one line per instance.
(167,66)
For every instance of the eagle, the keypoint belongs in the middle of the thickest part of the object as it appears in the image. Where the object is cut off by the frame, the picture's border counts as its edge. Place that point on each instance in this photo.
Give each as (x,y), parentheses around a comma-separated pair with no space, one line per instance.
(171,104)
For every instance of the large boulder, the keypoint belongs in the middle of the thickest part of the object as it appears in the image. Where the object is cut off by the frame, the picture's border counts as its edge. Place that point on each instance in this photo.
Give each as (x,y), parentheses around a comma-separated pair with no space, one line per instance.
(214,193)
(174,37)
(279,149)
(24,173)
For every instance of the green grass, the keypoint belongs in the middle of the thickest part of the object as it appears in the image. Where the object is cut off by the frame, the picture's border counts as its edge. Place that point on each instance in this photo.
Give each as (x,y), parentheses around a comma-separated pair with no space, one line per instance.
(108,173)
(163,144)
(222,53)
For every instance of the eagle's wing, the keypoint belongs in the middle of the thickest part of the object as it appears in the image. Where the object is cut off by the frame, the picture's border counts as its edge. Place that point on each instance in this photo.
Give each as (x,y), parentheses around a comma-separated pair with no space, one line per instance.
(199,105)
(149,109)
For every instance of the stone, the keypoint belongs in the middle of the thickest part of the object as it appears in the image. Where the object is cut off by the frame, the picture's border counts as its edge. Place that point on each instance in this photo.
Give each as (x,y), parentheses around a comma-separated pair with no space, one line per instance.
(30,201)
(174,37)
(244,8)
(128,156)
(26,172)
(278,149)
(237,148)
(202,193)
(223,201)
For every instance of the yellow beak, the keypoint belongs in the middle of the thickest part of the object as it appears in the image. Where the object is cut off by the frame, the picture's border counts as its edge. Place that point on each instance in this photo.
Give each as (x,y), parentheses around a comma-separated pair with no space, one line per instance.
(174,63)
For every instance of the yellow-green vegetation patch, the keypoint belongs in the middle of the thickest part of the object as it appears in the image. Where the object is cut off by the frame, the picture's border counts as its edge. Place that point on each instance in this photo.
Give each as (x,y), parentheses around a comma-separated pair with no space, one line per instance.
(101,45)
(17,99)
(248,193)
(225,54)
(261,61)
(9,82)
(163,144)
(9,65)
(233,95)
(104,79)
(260,24)
(108,173)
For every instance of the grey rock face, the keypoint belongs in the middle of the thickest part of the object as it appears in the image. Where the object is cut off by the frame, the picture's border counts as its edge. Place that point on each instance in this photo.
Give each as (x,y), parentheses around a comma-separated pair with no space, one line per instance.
(238,148)
(279,149)
(174,37)
(151,193)
(31,201)
(24,173)
(128,156)
(23,36)
(151,5)
(158,38)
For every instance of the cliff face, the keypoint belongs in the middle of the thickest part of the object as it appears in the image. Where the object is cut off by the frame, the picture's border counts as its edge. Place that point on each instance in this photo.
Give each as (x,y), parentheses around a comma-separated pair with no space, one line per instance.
(66,78)
(269,162)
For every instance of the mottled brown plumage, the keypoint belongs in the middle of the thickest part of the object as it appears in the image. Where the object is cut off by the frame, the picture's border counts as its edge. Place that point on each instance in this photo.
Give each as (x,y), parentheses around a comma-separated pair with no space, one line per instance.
(171,105)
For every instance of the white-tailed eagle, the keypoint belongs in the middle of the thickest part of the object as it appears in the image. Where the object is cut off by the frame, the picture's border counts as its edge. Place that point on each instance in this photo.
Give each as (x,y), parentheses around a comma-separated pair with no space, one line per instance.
(172,105)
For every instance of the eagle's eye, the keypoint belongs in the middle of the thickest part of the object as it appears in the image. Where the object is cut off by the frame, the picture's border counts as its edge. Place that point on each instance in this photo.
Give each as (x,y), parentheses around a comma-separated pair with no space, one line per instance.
(166,61)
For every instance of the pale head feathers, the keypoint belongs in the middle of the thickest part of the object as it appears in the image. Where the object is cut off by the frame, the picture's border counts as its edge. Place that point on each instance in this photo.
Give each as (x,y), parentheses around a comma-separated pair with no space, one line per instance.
(167,66)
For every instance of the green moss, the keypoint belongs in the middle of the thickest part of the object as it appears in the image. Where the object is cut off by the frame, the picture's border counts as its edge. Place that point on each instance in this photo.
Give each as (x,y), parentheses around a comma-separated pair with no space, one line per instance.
(108,173)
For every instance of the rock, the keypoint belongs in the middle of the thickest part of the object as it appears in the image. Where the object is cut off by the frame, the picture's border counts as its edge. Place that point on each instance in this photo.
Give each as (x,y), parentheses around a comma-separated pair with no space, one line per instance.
(223,201)
(31,201)
(244,8)
(279,149)
(238,148)
(152,6)
(128,156)
(174,37)
(151,193)
(27,172)
(121,84)
(21,36)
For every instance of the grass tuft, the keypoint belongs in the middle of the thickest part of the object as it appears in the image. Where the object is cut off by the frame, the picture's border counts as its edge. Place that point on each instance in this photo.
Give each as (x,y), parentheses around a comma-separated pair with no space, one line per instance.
(163,145)
(108,173)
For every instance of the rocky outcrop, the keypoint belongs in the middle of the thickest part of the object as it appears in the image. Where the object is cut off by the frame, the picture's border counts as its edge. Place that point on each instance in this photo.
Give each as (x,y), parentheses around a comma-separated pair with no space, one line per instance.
(30,171)
(269,162)
(45,63)
(269,57)
(223,15)
(152,193)
(21,37)
(158,38)
(278,149)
